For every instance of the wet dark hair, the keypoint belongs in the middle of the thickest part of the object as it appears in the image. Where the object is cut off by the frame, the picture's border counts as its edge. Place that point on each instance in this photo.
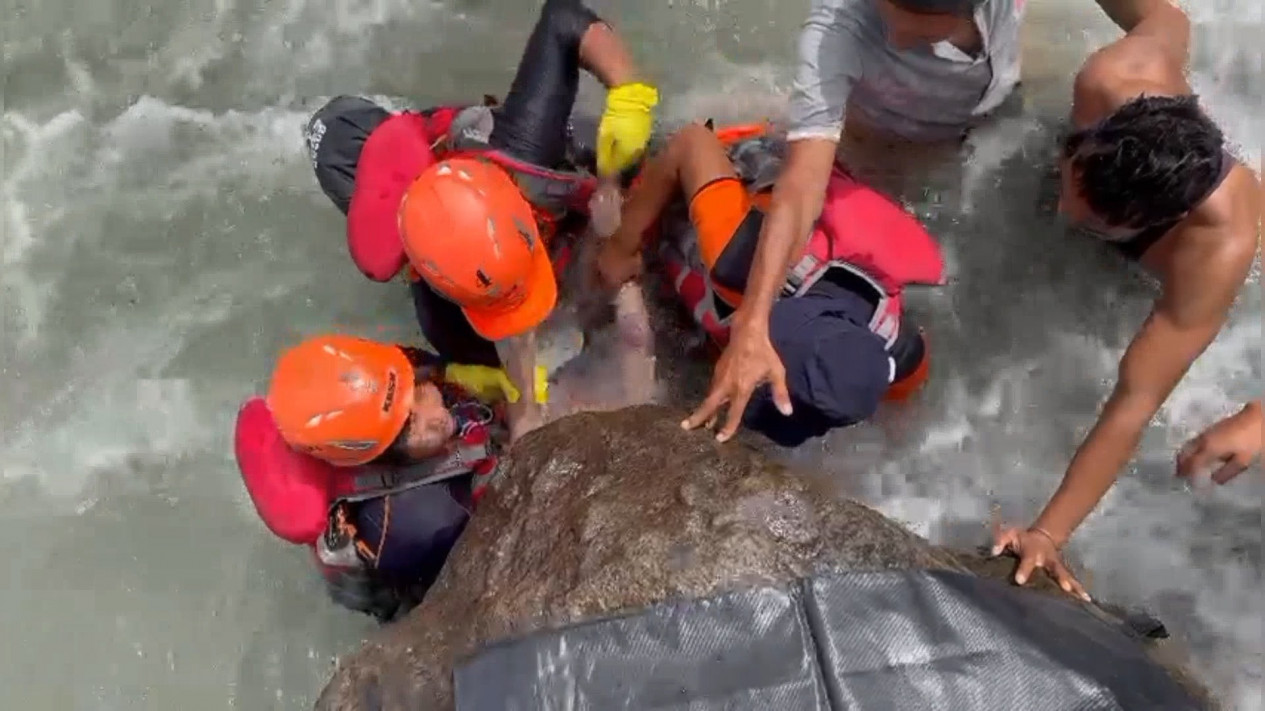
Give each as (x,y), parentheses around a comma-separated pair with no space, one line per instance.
(397,455)
(1150,162)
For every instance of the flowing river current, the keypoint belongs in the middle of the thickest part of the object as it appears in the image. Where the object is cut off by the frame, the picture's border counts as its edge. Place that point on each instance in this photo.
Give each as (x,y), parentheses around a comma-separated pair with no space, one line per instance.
(163,237)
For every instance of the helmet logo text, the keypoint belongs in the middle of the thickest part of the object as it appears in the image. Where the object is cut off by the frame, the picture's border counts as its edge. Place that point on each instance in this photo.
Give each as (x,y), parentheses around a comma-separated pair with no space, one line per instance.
(390,396)
(354,445)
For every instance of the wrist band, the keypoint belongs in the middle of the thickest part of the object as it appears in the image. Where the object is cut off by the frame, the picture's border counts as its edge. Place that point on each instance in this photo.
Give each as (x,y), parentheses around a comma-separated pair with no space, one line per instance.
(1047,534)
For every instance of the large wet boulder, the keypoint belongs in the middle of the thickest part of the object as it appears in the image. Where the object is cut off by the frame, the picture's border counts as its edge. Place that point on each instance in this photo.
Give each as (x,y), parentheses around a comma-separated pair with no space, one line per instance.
(605,513)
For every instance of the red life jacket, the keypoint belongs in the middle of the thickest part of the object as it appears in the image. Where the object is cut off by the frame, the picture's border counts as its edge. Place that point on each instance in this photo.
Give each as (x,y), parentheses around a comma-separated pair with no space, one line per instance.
(870,239)
(406,144)
(397,151)
(302,499)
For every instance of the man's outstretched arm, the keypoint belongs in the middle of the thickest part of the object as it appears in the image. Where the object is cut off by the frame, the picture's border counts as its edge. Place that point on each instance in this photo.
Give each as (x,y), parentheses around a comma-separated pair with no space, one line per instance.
(1185,320)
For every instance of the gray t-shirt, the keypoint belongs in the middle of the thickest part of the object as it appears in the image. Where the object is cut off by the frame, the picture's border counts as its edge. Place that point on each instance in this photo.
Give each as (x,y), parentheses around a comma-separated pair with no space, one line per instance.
(923,94)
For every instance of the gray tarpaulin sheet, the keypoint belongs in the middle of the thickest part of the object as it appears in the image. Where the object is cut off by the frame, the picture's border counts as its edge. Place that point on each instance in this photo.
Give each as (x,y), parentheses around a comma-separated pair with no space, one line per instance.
(874,641)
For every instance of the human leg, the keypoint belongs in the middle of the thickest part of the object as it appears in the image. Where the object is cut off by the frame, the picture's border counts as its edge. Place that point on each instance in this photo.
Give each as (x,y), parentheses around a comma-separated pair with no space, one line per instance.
(531,124)
(694,159)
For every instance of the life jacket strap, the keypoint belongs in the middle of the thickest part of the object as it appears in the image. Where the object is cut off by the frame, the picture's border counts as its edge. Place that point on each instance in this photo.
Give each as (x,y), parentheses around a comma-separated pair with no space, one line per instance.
(798,276)
(387,481)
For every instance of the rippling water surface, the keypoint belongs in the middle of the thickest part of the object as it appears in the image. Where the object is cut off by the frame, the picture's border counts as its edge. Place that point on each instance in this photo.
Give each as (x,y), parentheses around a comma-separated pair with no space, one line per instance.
(163,238)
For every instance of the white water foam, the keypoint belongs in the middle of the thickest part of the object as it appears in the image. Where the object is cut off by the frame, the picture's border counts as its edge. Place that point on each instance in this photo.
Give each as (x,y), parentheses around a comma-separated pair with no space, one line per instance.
(179,170)
(158,244)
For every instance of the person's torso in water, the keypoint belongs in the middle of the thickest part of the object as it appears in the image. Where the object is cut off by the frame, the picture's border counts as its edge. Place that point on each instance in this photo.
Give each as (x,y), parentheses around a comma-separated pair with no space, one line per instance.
(927,93)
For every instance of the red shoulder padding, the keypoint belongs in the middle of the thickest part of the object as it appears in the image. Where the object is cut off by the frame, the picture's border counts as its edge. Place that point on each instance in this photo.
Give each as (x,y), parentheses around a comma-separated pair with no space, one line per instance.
(394,155)
(439,120)
(888,239)
(290,490)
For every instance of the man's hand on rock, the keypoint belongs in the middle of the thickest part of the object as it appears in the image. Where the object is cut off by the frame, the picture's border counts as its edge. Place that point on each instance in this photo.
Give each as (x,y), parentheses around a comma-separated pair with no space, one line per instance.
(747,362)
(1037,549)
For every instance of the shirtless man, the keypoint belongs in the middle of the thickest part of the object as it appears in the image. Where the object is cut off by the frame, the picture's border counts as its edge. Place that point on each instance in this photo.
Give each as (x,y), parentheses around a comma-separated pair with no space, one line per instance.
(1146,170)
(919,70)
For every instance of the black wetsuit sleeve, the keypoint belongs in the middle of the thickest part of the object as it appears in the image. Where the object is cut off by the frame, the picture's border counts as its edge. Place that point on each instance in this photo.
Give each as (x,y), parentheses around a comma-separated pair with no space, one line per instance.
(531,124)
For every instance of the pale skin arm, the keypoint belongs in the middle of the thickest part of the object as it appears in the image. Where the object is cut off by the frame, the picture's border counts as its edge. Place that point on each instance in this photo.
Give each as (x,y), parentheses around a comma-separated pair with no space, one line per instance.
(518,354)
(1186,319)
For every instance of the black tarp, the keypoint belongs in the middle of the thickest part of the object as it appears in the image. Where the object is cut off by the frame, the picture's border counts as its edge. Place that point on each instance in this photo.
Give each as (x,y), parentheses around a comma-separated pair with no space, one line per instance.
(874,641)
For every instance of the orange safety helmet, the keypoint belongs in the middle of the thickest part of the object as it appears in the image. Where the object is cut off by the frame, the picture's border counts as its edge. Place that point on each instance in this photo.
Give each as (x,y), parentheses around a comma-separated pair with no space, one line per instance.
(471,235)
(340,398)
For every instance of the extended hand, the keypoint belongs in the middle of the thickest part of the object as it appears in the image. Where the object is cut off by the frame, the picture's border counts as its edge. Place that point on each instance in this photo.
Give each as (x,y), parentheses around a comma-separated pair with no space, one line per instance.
(747,362)
(1036,549)
(1234,443)
(625,127)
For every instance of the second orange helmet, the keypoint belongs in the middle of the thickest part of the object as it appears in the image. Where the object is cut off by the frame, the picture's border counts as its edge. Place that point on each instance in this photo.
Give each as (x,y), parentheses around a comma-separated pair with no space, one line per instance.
(470,233)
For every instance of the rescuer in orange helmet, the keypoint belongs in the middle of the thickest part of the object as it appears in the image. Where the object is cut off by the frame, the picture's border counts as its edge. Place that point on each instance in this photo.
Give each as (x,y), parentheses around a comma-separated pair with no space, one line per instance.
(382,452)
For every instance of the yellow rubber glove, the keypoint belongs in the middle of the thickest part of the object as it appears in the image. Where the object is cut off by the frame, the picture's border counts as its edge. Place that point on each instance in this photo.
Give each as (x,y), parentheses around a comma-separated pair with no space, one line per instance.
(483,382)
(624,130)
(542,385)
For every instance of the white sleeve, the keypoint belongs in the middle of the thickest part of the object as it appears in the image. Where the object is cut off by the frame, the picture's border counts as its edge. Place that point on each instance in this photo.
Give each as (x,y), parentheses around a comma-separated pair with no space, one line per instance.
(829,63)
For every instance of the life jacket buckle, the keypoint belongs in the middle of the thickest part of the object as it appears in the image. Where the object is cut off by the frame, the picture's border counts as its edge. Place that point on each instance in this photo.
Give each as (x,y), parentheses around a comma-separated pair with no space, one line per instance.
(337,546)
(799,273)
